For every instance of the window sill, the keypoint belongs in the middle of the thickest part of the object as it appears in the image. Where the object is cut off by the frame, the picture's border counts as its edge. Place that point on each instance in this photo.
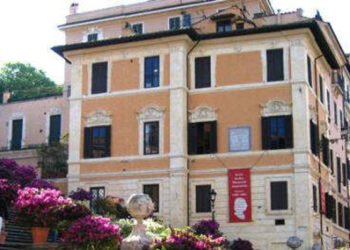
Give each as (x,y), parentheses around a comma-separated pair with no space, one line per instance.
(279,212)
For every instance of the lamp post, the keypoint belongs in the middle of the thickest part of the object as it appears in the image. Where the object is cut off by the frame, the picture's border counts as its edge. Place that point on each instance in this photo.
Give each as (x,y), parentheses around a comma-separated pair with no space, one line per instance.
(212,203)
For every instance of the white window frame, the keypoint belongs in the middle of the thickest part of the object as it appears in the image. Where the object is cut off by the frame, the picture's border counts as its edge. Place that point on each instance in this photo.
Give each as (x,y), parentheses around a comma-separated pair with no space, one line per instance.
(16,116)
(193,198)
(213,58)
(135,23)
(161,190)
(268,195)
(161,71)
(286,75)
(172,17)
(109,76)
(92,30)
(151,114)
(52,112)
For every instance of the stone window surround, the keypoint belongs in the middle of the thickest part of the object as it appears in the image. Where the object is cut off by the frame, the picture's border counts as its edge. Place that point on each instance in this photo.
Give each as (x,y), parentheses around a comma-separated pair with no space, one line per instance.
(276,107)
(159,182)
(16,116)
(161,70)
(92,30)
(268,210)
(151,113)
(202,113)
(98,118)
(193,186)
(135,23)
(53,111)
(175,16)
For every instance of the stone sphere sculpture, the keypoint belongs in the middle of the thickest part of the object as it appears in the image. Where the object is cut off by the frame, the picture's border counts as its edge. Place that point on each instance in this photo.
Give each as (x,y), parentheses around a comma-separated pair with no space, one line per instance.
(140,206)
(294,242)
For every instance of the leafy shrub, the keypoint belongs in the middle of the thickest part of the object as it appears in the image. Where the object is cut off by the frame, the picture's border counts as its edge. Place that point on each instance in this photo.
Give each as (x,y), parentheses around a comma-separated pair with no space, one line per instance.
(8,190)
(15,173)
(41,184)
(92,233)
(241,245)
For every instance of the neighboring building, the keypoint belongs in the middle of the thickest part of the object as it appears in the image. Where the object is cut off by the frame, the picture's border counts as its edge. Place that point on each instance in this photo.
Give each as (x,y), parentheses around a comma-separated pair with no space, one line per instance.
(177,98)
(25,125)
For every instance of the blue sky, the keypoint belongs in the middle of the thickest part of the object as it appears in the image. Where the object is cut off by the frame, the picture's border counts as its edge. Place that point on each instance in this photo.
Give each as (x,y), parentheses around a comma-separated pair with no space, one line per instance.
(29,28)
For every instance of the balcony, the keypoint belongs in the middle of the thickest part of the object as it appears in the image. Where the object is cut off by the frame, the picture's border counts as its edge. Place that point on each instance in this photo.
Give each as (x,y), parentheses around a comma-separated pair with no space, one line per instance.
(338,83)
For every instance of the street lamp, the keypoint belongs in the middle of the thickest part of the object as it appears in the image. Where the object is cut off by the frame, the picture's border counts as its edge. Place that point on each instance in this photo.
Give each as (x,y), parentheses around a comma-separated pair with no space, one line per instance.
(212,202)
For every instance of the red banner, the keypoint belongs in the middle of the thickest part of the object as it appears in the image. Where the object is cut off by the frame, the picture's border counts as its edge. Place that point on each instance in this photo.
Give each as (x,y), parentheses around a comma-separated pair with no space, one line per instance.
(323,199)
(240,203)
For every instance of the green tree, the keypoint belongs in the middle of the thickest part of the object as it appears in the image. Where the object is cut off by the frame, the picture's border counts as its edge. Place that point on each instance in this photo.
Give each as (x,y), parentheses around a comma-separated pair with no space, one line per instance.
(26,82)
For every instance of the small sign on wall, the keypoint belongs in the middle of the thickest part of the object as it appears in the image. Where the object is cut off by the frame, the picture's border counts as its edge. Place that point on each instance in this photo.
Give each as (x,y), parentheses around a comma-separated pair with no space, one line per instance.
(240,203)
(239,139)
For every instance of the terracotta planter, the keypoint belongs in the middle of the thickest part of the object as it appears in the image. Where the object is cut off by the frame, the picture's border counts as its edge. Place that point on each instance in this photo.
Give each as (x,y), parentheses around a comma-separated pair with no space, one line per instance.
(40,235)
(3,238)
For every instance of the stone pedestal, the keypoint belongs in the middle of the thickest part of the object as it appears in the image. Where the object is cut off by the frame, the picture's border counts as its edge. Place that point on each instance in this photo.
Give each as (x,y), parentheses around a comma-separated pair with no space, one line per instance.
(139,206)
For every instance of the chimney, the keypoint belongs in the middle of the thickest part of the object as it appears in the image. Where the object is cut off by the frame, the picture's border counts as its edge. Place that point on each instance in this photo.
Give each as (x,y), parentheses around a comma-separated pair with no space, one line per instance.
(300,12)
(6,97)
(73,8)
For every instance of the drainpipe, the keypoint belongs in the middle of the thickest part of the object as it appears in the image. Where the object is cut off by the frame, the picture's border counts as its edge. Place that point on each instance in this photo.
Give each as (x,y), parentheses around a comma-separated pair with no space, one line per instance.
(188,78)
(318,146)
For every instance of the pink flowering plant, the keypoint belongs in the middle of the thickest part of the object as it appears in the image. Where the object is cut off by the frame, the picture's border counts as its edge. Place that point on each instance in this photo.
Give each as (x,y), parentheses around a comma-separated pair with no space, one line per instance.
(37,207)
(93,233)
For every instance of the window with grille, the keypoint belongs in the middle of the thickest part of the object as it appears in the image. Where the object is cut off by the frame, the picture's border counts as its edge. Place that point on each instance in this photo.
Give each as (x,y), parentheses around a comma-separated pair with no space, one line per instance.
(152,190)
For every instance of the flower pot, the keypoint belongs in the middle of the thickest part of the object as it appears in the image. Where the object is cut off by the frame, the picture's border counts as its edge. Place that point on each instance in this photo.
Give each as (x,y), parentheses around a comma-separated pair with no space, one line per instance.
(40,235)
(3,238)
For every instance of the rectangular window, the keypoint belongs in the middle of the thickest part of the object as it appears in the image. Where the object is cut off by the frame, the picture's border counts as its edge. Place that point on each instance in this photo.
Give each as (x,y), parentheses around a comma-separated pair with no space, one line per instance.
(321,89)
(99,78)
(341,119)
(346,218)
(153,192)
(203,199)
(329,103)
(340,215)
(97,193)
(97,142)
(175,23)
(152,72)
(325,151)
(137,28)
(309,71)
(224,26)
(202,72)
(275,68)
(17,133)
(345,178)
(202,138)
(329,210)
(334,210)
(187,20)
(313,138)
(279,195)
(277,132)
(92,37)
(151,138)
(335,113)
(339,178)
(55,129)
(331,160)
(314,198)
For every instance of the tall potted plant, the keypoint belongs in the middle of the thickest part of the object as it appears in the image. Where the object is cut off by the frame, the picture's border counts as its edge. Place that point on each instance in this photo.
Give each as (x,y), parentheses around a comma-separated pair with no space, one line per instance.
(36,208)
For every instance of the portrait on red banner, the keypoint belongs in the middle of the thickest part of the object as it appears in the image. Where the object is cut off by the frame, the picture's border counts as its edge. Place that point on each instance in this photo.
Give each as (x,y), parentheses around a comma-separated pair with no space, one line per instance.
(239,195)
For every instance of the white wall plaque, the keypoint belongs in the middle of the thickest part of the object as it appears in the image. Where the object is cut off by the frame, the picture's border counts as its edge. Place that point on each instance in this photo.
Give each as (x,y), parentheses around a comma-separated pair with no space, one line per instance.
(239,139)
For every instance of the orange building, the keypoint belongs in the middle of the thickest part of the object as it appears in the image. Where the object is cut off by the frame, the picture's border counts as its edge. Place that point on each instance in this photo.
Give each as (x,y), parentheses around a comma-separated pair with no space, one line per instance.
(179,98)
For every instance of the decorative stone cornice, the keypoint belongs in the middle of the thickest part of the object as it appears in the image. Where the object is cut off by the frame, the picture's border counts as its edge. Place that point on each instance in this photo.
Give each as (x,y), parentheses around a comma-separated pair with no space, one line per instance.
(203,113)
(275,108)
(152,112)
(98,118)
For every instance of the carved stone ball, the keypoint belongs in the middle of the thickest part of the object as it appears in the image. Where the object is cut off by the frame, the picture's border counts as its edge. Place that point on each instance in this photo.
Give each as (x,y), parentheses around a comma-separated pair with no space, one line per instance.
(294,242)
(140,206)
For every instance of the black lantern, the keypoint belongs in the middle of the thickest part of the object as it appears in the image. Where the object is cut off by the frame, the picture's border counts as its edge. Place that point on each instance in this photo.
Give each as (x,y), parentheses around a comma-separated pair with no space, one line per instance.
(212,202)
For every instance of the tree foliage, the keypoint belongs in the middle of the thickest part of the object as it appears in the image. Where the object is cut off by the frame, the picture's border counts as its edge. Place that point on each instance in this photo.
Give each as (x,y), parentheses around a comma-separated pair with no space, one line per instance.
(26,82)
